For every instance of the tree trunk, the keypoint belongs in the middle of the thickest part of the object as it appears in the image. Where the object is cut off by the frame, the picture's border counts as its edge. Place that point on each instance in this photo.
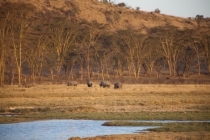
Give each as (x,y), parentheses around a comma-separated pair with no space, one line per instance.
(40,72)
(2,67)
(51,73)
(32,75)
(19,75)
(102,71)
(98,71)
(71,71)
(71,74)
(170,68)
(58,74)
(12,77)
(138,71)
(58,69)
(199,66)
(106,69)
(39,76)
(129,71)
(81,69)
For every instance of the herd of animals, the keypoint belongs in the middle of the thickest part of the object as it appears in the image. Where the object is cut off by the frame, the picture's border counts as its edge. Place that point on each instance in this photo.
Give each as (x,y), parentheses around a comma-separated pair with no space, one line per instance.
(104,84)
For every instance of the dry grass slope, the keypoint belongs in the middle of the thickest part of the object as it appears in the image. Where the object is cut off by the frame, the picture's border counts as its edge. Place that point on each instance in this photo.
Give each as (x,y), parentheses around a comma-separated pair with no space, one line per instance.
(115,17)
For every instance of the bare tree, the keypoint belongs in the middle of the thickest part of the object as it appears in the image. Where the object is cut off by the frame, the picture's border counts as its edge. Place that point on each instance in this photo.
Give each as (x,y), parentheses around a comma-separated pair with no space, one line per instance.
(171,48)
(134,50)
(159,65)
(3,44)
(62,38)
(20,25)
(88,46)
(154,53)
(205,41)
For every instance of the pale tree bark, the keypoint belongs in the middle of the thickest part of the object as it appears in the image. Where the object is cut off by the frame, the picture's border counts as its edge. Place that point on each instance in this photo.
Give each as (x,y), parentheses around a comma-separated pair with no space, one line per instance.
(70,75)
(81,66)
(3,43)
(102,69)
(51,74)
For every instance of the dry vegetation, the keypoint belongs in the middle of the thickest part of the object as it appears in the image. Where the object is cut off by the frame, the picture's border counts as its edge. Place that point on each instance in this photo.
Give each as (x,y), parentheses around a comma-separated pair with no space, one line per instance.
(134,101)
(132,98)
(118,18)
(154,136)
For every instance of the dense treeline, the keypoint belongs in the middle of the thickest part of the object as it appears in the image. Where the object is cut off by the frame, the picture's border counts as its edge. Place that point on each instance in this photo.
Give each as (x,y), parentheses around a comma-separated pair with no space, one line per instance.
(35,44)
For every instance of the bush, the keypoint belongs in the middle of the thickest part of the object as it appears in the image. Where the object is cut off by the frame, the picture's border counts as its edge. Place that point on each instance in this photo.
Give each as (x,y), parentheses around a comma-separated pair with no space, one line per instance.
(199,17)
(137,8)
(157,11)
(122,4)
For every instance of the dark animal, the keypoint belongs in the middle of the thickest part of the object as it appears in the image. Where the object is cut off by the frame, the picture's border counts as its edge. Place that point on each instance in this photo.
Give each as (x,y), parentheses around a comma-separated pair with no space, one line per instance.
(117,85)
(105,84)
(89,83)
(28,84)
(72,83)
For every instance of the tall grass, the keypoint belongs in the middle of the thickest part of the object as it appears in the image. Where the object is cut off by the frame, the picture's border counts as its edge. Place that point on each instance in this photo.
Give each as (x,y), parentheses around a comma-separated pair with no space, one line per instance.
(94,115)
(133,101)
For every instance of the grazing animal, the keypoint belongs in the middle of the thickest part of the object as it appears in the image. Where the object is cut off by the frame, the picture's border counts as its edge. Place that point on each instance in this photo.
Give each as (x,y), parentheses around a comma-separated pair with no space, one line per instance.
(118,85)
(105,84)
(72,83)
(28,84)
(89,83)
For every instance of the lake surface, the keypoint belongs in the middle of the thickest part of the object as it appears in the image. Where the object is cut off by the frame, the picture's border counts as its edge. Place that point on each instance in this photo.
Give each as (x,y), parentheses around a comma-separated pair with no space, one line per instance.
(65,129)
(61,130)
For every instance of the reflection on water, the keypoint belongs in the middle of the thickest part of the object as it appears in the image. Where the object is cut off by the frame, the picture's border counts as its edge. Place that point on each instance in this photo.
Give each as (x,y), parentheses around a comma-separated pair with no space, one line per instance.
(60,130)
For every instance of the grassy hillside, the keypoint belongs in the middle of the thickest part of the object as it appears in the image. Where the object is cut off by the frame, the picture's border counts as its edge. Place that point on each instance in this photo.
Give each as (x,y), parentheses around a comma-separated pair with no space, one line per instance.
(114,16)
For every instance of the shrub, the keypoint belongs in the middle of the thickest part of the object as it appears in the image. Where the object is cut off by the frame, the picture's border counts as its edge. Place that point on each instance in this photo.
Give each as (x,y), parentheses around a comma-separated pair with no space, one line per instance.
(122,4)
(157,11)
(137,8)
(199,17)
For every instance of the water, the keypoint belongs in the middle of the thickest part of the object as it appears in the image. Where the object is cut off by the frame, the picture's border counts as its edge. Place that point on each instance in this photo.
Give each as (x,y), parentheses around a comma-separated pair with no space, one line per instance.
(64,129)
(61,130)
